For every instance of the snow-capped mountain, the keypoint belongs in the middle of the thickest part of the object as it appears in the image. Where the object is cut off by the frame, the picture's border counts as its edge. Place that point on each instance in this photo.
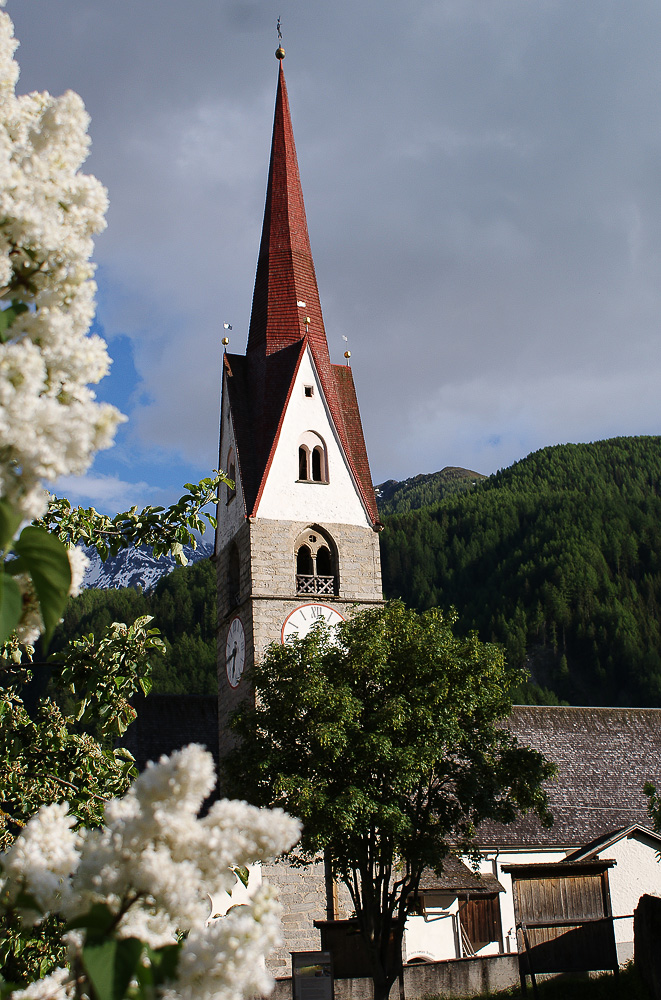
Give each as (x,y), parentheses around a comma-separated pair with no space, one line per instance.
(135,567)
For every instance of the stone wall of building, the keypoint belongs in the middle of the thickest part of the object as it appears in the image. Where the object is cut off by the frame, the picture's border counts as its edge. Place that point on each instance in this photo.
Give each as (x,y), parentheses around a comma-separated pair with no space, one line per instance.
(273,562)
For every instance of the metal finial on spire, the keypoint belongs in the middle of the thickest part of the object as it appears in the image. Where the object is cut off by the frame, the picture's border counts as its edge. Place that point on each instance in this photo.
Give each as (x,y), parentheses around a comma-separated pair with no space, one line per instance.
(279,52)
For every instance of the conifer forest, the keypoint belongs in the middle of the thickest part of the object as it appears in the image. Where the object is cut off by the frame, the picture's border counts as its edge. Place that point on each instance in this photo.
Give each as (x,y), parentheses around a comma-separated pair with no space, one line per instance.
(557,557)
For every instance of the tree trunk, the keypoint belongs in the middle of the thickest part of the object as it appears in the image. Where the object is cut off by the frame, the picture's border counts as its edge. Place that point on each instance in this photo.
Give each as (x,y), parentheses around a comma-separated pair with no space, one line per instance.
(385,954)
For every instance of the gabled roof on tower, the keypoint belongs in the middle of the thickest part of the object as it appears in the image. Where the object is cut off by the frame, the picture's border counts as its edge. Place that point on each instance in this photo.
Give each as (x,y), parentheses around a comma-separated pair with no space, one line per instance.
(260,384)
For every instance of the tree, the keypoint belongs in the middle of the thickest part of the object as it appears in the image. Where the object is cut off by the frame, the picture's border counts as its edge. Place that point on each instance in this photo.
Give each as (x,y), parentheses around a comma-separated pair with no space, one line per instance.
(388,742)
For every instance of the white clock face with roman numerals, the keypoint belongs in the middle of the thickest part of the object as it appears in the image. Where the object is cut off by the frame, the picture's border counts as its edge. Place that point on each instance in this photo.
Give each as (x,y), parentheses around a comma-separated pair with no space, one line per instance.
(299,621)
(235,652)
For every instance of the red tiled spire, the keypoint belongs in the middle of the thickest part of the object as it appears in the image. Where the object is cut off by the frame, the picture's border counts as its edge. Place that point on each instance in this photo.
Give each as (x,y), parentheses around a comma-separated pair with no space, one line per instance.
(286,276)
(285,269)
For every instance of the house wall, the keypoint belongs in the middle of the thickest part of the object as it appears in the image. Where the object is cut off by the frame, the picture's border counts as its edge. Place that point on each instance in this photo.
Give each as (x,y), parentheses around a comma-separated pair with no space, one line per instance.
(637,873)
(434,936)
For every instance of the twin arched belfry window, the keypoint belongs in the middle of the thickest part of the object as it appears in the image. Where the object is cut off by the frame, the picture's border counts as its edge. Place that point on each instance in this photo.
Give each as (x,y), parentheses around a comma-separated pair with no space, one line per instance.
(312,459)
(316,563)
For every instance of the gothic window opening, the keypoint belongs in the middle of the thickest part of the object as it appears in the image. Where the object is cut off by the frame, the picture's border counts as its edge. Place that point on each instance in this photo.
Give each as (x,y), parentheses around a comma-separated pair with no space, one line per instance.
(234,576)
(316,563)
(231,472)
(304,564)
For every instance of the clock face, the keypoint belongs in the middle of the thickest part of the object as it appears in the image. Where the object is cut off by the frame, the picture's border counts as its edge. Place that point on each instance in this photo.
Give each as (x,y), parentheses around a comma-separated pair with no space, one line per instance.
(235,652)
(299,621)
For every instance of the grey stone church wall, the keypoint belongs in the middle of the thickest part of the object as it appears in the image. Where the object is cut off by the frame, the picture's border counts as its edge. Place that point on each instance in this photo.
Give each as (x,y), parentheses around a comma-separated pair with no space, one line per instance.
(267,594)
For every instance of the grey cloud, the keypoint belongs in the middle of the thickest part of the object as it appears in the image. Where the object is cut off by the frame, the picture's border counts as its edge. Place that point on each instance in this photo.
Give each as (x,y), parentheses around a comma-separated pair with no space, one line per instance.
(482,188)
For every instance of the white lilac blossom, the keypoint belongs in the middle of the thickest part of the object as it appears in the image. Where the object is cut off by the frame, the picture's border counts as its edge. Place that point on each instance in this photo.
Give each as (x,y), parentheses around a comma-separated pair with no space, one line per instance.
(40,862)
(154,864)
(50,423)
(78,563)
(57,986)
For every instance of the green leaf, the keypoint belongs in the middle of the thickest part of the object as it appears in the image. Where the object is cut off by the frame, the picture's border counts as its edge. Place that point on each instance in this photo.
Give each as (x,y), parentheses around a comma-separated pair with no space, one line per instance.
(242,874)
(111,965)
(164,962)
(10,519)
(11,605)
(45,558)
(8,316)
(97,920)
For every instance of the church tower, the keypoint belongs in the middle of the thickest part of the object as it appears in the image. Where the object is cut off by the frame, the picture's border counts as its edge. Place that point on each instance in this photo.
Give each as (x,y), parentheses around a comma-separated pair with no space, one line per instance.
(297,536)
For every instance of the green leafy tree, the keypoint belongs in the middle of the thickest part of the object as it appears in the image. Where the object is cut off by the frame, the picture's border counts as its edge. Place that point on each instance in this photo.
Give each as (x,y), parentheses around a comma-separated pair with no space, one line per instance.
(387,741)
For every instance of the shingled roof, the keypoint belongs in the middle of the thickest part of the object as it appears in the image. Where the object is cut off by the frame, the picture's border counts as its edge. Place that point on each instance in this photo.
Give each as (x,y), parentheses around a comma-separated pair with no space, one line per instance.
(457,877)
(604,757)
(279,332)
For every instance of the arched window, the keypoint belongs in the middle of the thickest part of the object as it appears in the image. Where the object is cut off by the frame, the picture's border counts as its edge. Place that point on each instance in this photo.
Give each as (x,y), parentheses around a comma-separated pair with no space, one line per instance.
(317,465)
(233,576)
(303,463)
(312,458)
(324,561)
(316,563)
(304,564)
(231,472)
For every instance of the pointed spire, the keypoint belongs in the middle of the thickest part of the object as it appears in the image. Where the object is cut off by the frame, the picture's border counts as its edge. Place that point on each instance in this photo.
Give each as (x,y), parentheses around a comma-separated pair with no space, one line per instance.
(285,269)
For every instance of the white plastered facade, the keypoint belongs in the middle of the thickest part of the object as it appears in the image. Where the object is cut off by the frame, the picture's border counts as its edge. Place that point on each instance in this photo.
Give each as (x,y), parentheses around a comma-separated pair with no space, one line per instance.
(636,872)
(285,497)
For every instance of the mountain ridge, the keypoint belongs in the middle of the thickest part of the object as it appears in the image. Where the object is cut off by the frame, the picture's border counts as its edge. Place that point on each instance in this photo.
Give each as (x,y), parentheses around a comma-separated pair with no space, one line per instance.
(135,567)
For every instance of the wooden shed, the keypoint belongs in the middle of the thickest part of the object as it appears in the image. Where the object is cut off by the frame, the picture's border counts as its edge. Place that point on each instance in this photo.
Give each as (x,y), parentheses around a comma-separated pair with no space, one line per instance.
(563,917)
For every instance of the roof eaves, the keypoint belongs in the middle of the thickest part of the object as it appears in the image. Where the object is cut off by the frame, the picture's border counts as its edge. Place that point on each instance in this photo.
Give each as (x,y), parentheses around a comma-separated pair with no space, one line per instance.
(344,380)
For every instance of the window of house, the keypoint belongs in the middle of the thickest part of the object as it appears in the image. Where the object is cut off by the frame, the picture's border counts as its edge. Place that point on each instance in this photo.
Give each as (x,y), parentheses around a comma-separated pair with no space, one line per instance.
(316,563)
(309,390)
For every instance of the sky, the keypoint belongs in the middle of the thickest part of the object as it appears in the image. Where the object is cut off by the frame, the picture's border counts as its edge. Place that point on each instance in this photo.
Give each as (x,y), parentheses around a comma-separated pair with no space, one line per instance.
(482,180)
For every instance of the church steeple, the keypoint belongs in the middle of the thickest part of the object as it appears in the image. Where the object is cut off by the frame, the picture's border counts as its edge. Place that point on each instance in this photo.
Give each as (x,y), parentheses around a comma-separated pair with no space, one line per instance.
(285,269)
(286,321)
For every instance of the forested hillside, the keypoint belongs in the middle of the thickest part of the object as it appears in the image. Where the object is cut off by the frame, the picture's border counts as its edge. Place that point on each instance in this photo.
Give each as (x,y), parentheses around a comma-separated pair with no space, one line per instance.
(183,605)
(559,558)
(395,497)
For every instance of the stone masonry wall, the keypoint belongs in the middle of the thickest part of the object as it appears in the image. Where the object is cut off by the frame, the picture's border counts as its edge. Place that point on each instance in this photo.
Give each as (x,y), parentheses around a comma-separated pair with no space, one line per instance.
(302,892)
(267,593)
(273,562)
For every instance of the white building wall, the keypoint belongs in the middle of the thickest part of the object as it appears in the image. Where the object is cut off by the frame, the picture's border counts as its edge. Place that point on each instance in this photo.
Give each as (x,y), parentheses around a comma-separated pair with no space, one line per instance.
(637,871)
(434,936)
(336,501)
